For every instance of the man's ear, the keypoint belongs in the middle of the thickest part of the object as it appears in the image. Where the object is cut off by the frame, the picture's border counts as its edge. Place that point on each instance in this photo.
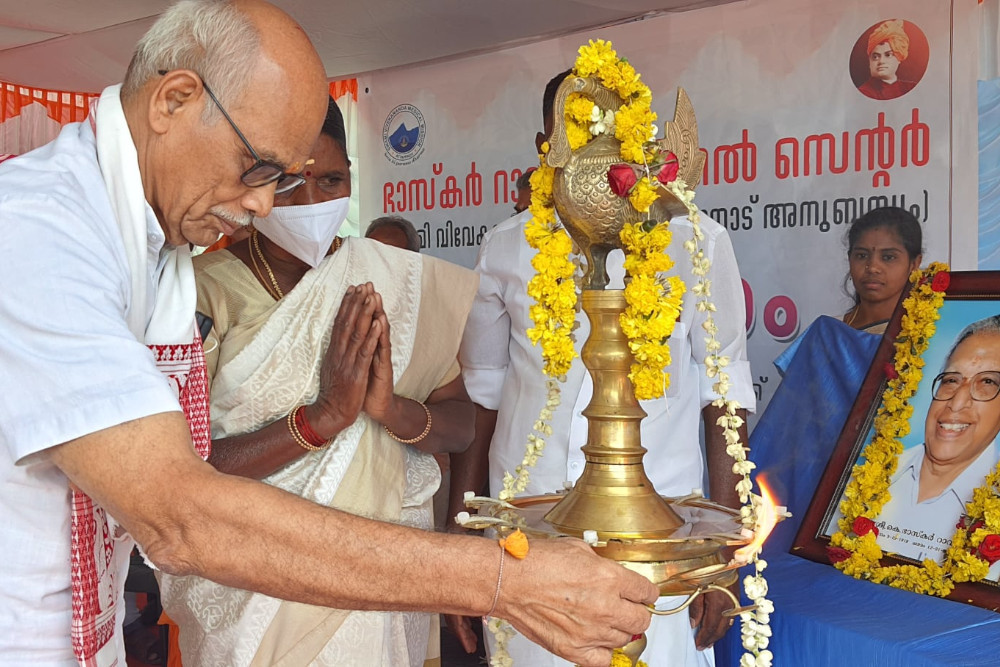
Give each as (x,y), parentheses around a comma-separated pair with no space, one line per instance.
(540,139)
(178,94)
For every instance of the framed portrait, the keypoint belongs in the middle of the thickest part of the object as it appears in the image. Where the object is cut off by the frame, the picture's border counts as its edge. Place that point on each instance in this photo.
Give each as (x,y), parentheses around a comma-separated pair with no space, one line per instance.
(889,59)
(952,448)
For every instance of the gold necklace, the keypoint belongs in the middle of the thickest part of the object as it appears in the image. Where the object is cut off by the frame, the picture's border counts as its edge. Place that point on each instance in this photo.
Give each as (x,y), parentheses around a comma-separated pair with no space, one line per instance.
(854,314)
(276,292)
(259,275)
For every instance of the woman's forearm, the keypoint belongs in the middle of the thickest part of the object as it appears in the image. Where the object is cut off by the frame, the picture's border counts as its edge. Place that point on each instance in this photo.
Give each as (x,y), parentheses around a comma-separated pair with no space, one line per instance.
(452,419)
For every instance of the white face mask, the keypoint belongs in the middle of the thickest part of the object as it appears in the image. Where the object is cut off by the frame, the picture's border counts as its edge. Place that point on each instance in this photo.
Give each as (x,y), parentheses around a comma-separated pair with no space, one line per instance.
(305,231)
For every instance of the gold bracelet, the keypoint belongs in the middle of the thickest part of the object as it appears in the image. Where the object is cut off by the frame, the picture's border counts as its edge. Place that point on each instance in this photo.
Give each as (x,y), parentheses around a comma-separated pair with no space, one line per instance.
(411,441)
(298,436)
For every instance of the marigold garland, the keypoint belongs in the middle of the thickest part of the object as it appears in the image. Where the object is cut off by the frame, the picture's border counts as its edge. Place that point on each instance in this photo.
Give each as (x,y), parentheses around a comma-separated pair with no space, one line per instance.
(552,286)
(654,302)
(653,305)
(853,549)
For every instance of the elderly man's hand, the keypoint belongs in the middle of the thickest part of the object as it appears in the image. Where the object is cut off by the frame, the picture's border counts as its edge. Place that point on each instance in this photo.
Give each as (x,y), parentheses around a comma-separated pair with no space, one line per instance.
(344,375)
(573,602)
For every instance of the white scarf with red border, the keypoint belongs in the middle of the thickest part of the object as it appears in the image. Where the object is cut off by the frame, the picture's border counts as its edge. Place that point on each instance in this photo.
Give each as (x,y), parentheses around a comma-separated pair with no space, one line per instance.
(100,547)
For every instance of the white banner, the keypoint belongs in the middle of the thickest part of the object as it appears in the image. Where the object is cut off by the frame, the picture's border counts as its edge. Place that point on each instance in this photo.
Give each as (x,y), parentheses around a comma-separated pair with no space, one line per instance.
(796,145)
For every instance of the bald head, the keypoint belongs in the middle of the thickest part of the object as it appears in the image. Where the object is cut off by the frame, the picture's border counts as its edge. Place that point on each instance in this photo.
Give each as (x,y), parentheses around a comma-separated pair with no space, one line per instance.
(266,76)
(225,42)
(288,73)
(287,53)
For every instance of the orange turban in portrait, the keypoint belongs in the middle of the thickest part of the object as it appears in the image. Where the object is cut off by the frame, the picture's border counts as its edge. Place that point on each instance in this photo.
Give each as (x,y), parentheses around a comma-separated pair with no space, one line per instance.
(891,31)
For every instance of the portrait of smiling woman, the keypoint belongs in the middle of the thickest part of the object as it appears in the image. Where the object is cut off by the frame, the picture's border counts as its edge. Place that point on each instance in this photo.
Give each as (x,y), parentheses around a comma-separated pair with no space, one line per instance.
(935,479)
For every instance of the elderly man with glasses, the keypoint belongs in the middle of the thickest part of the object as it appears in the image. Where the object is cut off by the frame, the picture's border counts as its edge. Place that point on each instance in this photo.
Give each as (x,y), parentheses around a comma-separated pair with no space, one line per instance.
(104,412)
(934,480)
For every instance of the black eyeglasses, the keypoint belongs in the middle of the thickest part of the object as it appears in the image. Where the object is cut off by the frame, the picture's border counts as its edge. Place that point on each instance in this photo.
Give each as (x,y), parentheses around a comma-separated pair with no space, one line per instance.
(331,185)
(983,386)
(261,172)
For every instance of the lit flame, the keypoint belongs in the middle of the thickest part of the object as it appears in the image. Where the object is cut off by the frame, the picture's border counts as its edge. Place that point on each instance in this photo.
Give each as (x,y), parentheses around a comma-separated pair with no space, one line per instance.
(768,514)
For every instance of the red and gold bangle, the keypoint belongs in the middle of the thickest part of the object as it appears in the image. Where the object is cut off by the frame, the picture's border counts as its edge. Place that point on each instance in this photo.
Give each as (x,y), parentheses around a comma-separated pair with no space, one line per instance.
(303,433)
(411,441)
(306,429)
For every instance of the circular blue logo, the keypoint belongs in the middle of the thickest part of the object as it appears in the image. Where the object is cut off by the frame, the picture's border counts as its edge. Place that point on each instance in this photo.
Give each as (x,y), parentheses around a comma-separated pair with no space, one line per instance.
(403,134)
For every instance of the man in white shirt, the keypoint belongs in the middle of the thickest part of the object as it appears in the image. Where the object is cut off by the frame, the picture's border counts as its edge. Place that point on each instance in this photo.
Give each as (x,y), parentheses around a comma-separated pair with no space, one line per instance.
(104,411)
(920,529)
(503,375)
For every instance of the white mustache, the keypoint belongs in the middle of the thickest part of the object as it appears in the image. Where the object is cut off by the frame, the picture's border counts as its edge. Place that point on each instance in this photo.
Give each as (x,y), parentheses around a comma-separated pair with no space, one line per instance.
(241,219)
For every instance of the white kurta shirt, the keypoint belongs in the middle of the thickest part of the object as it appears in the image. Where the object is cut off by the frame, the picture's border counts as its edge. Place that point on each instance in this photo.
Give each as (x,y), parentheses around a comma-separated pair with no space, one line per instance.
(69,366)
(503,371)
(922,530)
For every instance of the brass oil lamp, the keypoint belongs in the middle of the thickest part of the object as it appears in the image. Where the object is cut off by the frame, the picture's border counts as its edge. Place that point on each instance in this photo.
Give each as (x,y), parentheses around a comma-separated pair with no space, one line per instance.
(677,543)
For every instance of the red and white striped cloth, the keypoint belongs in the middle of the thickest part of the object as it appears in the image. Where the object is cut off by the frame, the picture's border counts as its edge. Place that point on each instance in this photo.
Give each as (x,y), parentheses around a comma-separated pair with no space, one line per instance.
(94,589)
(99,556)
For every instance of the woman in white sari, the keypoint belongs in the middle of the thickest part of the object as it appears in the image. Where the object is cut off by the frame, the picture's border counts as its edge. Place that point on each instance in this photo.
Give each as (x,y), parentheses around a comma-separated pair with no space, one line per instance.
(333,376)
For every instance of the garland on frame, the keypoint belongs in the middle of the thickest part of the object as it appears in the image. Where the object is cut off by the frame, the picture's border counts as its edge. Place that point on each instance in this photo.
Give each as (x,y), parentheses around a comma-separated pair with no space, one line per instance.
(975,545)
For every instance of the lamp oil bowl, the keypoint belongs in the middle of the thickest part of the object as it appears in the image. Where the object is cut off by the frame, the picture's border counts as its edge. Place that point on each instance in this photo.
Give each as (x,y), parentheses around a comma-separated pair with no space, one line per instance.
(686,563)
(592,214)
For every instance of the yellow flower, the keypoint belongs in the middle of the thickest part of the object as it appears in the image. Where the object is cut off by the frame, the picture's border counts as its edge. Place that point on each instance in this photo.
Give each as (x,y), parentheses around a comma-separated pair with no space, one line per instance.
(643,195)
(633,127)
(577,135)
(868,489)
(578,108)
(619,659)
(552,289)
(648,382)
(653,299)
(593,57)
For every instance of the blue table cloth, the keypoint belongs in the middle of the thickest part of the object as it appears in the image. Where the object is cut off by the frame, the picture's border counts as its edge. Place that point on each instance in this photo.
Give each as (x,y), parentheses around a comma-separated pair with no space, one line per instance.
(823,617)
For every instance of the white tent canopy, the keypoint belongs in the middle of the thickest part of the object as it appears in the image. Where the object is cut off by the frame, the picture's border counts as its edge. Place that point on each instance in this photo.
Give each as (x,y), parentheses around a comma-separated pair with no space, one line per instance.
(85,45)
